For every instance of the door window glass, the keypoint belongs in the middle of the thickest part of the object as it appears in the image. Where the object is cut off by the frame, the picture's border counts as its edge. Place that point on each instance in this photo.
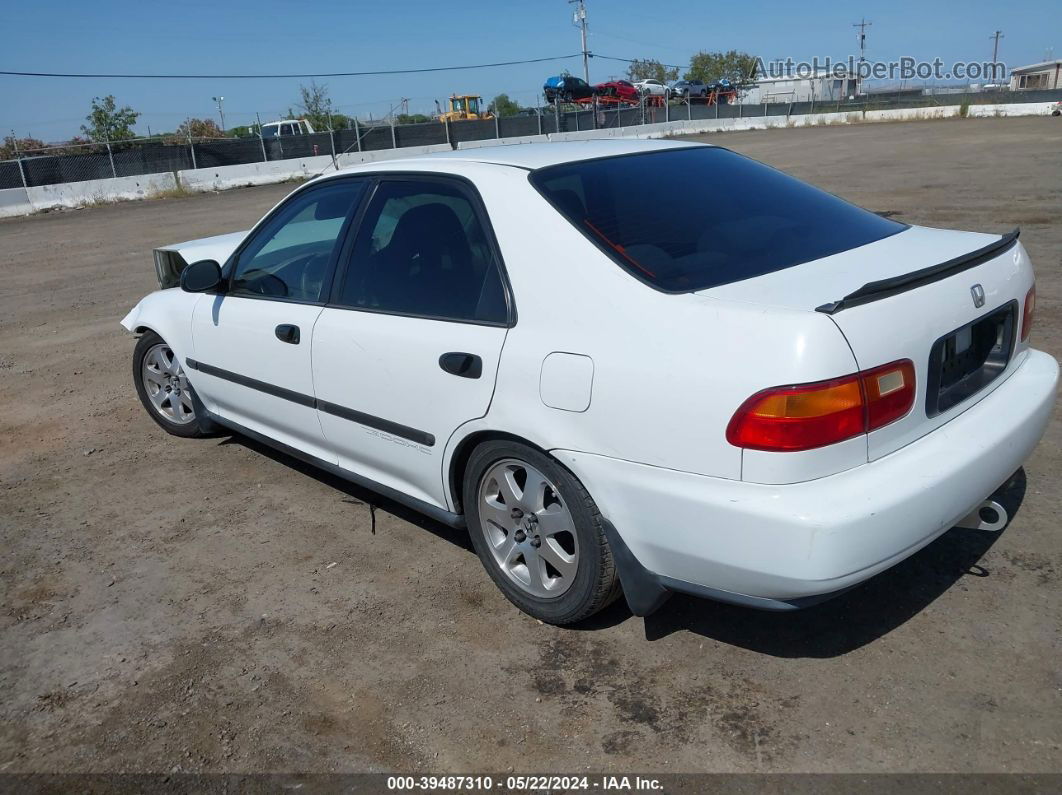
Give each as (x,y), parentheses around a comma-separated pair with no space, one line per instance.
(421,250)
(289,256)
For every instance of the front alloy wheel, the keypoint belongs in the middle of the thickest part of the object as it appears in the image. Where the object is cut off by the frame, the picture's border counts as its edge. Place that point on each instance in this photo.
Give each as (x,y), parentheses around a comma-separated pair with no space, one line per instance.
(163,388)
(166,385)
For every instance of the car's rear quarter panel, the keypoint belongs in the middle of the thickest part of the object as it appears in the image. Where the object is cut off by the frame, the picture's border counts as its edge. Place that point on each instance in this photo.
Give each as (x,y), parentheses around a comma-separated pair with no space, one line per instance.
(669,370)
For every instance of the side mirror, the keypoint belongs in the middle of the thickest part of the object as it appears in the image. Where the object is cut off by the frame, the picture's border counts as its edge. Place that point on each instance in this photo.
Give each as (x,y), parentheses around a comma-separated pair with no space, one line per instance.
(201,276)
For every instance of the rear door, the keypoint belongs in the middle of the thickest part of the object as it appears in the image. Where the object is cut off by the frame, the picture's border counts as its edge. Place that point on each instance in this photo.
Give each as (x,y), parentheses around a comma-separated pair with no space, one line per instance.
(252,342)
(408,348)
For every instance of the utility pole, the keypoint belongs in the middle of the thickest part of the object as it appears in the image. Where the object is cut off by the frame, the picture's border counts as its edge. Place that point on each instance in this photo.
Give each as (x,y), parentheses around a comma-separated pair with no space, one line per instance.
(862,24)
(580,20)
(221,112)
(995,44)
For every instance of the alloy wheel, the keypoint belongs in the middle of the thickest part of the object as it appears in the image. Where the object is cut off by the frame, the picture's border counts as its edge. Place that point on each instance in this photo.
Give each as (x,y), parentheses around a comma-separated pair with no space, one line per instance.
(528,528)
(166,385)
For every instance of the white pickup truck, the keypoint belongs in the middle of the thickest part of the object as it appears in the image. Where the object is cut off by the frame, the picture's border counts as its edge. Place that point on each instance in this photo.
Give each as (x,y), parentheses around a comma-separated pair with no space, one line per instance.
(287,127)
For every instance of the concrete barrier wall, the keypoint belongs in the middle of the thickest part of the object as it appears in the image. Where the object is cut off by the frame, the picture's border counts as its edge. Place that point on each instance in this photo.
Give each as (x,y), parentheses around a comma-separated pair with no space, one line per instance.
(95,191)
(14,201)
(518,139)
(265,173)
(1013,109)
(23,201)
(375,155)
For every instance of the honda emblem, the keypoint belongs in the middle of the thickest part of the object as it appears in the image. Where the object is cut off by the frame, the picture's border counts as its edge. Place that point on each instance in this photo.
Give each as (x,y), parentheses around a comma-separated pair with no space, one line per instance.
(978,293)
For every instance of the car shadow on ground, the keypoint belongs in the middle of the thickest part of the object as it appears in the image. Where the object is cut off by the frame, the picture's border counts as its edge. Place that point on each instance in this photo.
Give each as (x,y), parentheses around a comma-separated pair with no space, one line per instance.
(831,629)
(853,619)
(356,495)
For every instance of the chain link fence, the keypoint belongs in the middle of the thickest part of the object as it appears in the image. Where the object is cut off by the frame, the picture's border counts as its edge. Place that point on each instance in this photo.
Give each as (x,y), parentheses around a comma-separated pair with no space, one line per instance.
(80,162)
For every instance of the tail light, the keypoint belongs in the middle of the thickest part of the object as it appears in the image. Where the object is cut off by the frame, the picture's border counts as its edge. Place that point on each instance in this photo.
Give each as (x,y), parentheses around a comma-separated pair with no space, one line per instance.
(806,416)
(1029,313)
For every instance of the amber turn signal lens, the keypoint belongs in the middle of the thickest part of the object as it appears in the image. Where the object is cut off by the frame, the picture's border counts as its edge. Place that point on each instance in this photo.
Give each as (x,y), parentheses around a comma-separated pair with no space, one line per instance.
(1028,314)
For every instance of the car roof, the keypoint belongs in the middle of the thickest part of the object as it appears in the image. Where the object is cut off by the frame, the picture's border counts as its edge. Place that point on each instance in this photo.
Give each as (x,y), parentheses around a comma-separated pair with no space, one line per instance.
(539,155)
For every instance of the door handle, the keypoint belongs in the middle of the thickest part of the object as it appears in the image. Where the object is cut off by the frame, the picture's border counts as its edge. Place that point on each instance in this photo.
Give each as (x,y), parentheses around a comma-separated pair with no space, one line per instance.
(286,332)
(465,365)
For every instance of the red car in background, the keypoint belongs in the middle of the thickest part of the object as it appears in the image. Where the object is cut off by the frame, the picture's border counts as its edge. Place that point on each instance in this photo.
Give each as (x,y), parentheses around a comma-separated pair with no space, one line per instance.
(619,90)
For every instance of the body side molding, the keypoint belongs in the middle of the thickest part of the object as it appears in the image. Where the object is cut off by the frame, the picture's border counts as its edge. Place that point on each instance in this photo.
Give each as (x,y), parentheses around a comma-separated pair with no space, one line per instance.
(368,420)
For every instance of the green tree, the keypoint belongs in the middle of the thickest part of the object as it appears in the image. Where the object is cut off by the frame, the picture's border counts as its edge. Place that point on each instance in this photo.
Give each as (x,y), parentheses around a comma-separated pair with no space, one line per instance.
(315,105)
(651,69)
(108,122)
(411,118)
(200,128)
(708,67)
(501,105)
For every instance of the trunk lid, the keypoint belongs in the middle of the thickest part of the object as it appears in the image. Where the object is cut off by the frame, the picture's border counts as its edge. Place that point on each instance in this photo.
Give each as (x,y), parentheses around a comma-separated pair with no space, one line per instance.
(961,351)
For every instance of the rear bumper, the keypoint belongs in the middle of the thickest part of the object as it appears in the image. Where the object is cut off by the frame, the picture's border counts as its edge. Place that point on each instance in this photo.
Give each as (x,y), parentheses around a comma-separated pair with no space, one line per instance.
(780,546)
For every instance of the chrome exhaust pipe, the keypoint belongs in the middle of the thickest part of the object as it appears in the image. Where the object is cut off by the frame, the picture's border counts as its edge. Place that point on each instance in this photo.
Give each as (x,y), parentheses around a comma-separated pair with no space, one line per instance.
(989,516)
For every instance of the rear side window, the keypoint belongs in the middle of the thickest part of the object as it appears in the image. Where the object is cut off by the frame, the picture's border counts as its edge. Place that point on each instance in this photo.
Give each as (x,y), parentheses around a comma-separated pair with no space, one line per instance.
(690,219)
(422,250)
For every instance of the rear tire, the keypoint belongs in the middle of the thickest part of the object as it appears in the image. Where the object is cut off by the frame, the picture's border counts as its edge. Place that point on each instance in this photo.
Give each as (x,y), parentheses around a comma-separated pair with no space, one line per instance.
(538,533)
(164,390)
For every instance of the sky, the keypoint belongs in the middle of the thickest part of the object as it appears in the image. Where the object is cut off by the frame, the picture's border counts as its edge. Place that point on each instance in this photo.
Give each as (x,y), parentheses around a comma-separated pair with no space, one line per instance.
(266,36)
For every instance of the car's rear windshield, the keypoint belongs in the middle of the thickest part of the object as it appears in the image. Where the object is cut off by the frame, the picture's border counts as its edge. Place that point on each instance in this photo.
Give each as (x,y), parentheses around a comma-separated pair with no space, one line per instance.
(693,218)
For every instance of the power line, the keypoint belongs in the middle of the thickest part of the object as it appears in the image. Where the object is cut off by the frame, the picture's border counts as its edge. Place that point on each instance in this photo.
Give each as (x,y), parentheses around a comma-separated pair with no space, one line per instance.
(282,76)
(634,60)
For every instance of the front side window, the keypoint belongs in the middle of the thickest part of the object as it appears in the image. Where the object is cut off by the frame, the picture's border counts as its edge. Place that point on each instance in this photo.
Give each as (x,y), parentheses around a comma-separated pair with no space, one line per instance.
(289,255)
(422,250)
(704,216)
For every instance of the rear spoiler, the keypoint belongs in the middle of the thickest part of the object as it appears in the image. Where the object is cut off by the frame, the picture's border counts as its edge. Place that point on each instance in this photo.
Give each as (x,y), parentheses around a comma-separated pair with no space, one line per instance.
(875,291)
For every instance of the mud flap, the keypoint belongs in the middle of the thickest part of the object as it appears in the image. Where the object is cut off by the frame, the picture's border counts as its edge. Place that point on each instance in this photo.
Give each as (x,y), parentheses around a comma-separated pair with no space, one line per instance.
(643,590)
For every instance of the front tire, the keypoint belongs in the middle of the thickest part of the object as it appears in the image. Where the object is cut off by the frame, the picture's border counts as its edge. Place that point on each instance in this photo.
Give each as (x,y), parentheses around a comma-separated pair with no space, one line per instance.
(538,533)
(164,389)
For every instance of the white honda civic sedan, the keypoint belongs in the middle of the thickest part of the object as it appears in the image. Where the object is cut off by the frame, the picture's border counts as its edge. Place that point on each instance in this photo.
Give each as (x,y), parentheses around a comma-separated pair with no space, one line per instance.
(624,366)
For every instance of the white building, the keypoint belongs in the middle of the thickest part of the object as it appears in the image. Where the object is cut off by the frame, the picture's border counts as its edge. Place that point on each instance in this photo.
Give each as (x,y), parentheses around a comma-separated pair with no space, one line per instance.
(1044,75)
(823,86)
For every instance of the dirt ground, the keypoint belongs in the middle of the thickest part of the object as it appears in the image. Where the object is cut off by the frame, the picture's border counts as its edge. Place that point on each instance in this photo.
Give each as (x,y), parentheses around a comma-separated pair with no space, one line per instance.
(172,604)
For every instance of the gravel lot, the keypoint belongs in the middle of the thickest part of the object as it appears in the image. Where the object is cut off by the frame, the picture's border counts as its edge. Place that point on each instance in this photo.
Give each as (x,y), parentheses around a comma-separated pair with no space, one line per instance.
(172,604)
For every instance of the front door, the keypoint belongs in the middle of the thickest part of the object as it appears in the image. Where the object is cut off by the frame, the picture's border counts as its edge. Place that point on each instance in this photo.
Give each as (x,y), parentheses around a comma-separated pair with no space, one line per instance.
(252,341)
(408,349)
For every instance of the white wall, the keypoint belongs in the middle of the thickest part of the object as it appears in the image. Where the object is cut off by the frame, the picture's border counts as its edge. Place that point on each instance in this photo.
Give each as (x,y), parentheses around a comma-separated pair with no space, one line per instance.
(94,191)
(14,201)
(1013,109)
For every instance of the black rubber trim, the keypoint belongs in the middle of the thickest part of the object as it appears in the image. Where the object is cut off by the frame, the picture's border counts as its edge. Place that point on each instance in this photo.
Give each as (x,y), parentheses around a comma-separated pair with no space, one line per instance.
(755,602)
(884,288)
(448,518)
(380,424)
(251,383)
(369,420)
(642,589)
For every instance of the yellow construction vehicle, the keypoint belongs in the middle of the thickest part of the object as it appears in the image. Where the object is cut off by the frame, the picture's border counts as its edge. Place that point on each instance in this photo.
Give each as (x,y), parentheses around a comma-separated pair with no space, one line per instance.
(466,107)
